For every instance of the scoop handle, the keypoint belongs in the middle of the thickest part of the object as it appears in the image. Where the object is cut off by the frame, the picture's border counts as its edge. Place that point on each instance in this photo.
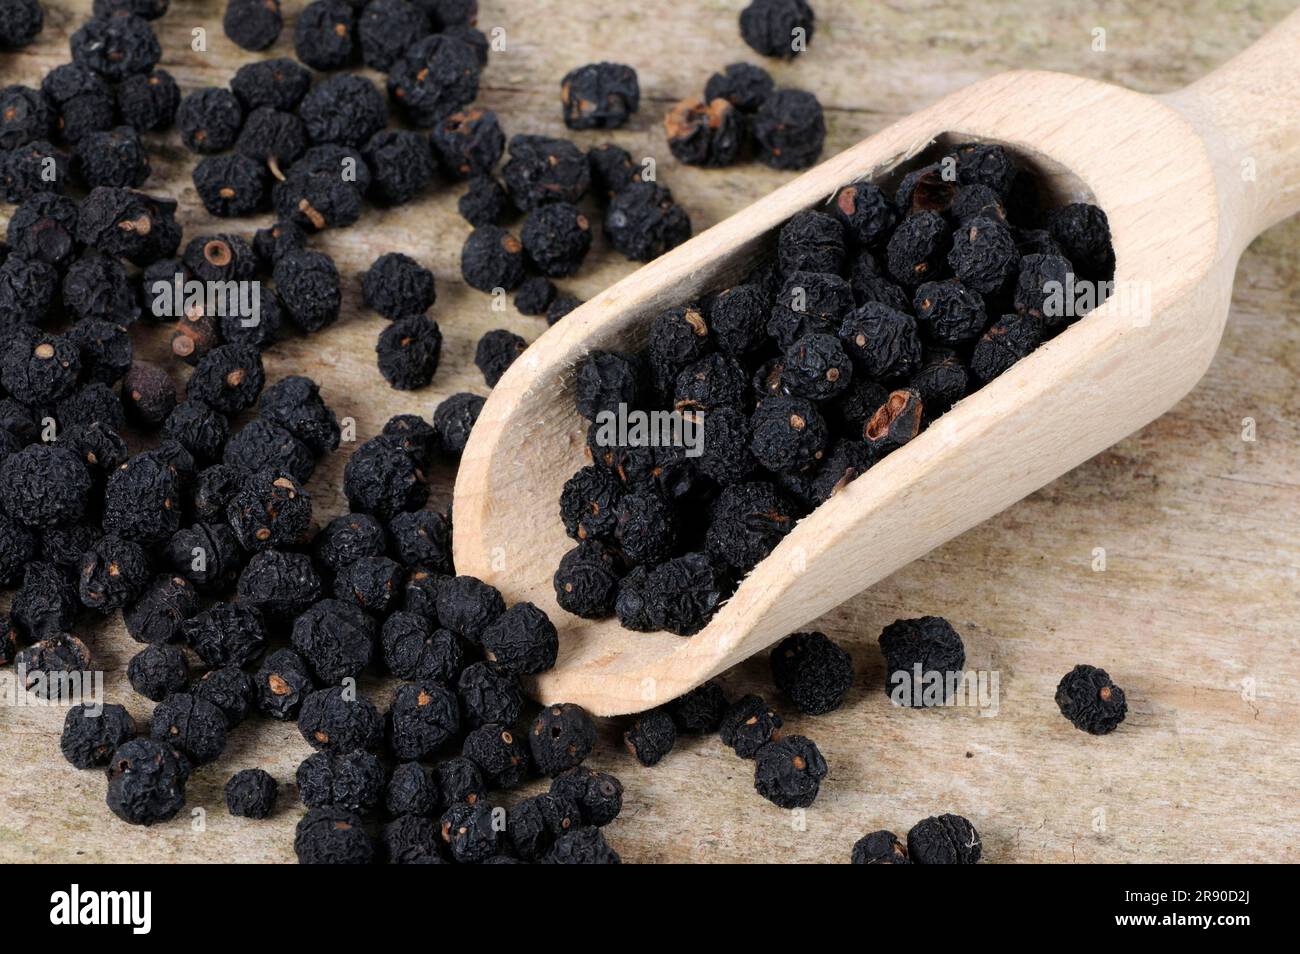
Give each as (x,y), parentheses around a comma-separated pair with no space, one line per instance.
(1248,111)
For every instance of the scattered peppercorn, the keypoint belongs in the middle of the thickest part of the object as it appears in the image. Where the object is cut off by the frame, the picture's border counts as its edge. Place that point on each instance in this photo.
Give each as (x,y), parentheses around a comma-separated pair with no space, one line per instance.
(915,651)
(743,85)
(335,720)
(193,726)
(780,28)
(91,734)
(643,222)
(489,694)
(146,781)
(789,130)
(651,737)
(492,258)
(228,688)
(22,22)
(484,203)
(788,771)
(599,96)
(498,753)
(116,46)
(335,639)
(749,724)
(880,848)
(157,671)
(411,790)
(323,34)
(250,793)
(435,77)
(332,835)
(282,683)
(943,840)
(1087,697)
(705,132)
(598,795)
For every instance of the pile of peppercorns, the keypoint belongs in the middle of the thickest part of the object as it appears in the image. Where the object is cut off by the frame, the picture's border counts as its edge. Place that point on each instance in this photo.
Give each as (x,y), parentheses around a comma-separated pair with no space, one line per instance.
(872,319)
(169,535)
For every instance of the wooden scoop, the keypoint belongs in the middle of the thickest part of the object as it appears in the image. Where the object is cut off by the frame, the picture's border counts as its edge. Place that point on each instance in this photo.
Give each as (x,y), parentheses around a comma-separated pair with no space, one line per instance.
(1187,179)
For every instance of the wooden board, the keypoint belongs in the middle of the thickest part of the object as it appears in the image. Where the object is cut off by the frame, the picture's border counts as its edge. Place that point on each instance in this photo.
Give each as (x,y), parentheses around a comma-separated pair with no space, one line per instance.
(1195,610)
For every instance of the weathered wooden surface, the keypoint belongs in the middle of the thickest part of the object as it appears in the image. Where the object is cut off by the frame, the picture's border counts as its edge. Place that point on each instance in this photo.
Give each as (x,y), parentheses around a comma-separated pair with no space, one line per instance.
(1194,613)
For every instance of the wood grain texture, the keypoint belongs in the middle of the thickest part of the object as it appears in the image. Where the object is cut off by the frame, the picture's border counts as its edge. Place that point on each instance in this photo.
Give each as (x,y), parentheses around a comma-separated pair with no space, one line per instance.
(1194,614)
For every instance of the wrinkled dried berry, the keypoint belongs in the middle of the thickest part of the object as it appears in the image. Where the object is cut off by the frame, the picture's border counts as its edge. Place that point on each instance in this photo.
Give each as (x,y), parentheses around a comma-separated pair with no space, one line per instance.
(1087,697)
(91,734)
(944,840)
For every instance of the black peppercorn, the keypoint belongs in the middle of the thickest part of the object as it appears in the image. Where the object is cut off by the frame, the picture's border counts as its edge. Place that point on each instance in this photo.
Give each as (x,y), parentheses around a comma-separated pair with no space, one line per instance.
(1007,340)
(749,724)
(282,683)
(116,46)
(397,286)
(335,639)
(250,793)
(230,689)
(385,28)
(500,755)
(556,238)
(534,823)
(582,846)
(599,96)
(459,781)
(148,101)
(308,283)
(415,649)
(295,404)
(1083,233)
(789,130)
(468,144)
(470,832)
(231,185)
(484,202)
(788,433)
(1087,697)
(408,351)
(643,222)
(743,85)
(146,781)
(928,646)
(411,790)
(337,720)
(561,737)
(157,671)
(489,694)
(410,839)
(880,848)
(788,771)
(435,77)
(705,132)
(586,581)
(747,522)
(323,34)
(651,737)
(193,726)
(492,258)
(91,734)
(348,780)
(332,835)
(780,28)
(541,170)
(598,795)
(813,671)
(944,840)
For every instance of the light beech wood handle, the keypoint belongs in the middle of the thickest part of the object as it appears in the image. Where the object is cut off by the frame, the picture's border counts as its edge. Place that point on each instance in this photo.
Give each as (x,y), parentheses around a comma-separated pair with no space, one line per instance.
(1249,113)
